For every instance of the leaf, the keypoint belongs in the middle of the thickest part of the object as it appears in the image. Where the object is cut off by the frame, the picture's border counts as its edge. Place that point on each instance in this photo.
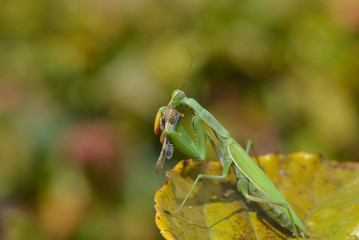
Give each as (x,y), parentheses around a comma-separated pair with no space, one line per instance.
(324,194)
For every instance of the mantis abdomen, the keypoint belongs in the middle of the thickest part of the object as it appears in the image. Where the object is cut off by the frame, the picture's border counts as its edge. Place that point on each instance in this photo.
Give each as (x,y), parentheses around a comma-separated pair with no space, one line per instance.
(275,212)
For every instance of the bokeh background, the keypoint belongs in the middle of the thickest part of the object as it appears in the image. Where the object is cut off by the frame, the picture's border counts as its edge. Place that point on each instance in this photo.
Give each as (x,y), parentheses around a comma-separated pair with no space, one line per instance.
(82,80)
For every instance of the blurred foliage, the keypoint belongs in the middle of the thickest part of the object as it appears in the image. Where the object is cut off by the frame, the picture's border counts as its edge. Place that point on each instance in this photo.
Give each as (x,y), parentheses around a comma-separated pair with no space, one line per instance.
(81,81)
(324,194)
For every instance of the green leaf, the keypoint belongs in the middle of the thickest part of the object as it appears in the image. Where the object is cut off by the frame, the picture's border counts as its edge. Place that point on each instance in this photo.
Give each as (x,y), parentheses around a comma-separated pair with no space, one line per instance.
(324,194)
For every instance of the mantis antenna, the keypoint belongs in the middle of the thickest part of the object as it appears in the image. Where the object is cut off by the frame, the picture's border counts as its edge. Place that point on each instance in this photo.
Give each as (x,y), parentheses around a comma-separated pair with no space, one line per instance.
(188,70)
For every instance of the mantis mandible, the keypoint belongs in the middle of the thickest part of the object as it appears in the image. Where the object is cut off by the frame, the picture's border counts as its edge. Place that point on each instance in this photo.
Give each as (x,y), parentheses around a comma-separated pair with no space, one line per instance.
(251,180)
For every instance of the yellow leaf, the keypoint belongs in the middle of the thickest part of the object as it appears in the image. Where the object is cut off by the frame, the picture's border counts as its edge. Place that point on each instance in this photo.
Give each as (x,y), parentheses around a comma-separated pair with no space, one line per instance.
(324,194)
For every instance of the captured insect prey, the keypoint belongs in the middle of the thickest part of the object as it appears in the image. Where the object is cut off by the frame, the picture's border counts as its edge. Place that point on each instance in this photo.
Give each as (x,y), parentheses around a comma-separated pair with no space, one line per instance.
(166,119)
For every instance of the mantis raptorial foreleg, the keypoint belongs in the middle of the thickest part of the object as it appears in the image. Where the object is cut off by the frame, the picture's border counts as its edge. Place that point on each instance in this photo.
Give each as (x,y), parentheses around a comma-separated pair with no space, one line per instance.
(194,149)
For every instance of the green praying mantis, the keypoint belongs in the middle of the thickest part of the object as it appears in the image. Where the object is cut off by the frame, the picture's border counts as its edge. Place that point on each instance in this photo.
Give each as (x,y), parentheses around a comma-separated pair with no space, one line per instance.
(251,180)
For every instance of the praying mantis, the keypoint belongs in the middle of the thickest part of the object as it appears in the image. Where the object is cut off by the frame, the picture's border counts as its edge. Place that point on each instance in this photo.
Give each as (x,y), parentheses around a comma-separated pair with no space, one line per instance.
(251,180)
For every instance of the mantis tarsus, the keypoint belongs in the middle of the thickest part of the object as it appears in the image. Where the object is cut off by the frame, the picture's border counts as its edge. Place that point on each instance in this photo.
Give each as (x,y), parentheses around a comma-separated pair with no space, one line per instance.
(251,180)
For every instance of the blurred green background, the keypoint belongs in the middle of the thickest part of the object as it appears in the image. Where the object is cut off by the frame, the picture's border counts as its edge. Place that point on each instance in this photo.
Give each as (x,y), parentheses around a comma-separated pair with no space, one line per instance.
(81,82)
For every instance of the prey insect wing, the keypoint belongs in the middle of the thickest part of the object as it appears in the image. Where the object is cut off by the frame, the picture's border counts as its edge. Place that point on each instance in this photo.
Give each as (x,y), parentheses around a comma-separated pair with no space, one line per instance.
(162,157)
(170,149)
(170,144)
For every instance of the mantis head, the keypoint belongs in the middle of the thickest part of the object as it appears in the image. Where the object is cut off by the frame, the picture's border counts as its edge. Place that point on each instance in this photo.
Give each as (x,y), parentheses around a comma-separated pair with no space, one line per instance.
(177,98)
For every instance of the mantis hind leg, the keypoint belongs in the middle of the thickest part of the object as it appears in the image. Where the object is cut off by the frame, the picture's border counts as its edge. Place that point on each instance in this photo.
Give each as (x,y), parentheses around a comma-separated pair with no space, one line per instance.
(243,186)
